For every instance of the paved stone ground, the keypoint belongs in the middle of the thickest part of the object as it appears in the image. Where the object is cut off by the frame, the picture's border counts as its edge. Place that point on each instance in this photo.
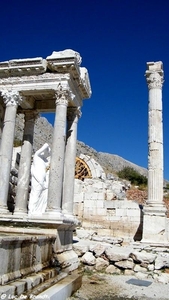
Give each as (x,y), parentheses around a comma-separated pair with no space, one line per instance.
(119,287)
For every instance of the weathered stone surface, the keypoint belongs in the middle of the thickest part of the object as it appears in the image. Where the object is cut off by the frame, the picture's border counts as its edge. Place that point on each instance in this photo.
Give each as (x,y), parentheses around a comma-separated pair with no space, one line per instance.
(84,234)
(111,269)
(163,278)
(101,264)
(107,239)
(162,261)
(89,259)
(143,257)
(138,268)
(115,253)
(125,264)
(98,249)
(80,248)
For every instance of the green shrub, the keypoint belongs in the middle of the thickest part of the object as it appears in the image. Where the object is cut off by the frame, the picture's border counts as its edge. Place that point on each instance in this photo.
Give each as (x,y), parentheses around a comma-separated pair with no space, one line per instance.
(133,176)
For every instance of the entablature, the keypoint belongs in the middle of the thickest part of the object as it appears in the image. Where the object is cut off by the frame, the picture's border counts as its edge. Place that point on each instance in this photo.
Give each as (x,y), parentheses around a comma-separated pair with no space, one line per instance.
(37,79)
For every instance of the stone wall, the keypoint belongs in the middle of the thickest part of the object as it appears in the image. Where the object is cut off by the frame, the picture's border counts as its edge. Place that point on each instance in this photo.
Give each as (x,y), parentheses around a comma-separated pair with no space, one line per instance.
(101,205)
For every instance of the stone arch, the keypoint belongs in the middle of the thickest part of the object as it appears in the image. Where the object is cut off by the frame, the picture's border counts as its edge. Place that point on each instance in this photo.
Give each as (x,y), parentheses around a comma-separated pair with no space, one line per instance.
(87,167)
(82,170)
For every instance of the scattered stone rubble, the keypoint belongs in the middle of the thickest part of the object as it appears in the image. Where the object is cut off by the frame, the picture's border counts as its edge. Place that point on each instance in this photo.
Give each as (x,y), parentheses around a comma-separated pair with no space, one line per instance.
(112,256)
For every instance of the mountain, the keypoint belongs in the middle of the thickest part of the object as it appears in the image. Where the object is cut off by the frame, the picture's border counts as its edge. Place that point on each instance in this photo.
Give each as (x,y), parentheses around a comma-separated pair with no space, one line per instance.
(43,132)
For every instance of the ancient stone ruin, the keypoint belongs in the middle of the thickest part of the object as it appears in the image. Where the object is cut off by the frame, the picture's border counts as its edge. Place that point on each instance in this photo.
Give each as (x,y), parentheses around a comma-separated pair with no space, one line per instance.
(34,242)
(57,193)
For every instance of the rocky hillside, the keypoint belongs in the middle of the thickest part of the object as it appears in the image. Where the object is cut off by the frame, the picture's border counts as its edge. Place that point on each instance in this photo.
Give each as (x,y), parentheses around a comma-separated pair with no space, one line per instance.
(43,133)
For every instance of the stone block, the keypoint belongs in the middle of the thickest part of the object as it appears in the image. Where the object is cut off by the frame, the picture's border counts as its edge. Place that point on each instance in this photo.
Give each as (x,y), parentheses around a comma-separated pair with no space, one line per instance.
(111,269)
(115,253)
(101,264)
(133,212)
(121,212)
(125,264)
(89,259)
(6,291)
(79,197)
(68,260)
(20,287)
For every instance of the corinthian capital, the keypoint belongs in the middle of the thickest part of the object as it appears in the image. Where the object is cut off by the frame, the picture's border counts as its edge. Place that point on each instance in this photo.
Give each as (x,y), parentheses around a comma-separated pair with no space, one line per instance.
(155,75)
(63,96)
(11,97)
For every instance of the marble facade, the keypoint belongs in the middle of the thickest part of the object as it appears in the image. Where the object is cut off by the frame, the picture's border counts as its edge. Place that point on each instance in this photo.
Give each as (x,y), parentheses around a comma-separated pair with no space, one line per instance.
(31,86)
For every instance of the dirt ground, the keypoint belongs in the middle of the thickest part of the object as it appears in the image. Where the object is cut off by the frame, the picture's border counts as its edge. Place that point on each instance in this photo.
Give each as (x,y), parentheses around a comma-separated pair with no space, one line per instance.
(100,286)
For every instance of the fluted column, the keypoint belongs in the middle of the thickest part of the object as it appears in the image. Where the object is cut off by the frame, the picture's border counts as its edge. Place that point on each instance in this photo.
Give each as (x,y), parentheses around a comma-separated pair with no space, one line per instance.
(11,99)
(70,159)
(25,164)
(1,123)
(154,210)
(57,154)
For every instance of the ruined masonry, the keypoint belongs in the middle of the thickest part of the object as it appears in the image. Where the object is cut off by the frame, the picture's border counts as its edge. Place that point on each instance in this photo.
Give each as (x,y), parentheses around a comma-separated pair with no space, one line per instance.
(37,243)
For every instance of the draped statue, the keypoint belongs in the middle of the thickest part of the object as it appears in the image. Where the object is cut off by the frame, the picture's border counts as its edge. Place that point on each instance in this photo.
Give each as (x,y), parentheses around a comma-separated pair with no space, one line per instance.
(39,180)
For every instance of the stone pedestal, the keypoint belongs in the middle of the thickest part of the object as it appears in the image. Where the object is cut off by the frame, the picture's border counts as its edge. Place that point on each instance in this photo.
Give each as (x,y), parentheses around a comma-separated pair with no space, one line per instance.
(154,224)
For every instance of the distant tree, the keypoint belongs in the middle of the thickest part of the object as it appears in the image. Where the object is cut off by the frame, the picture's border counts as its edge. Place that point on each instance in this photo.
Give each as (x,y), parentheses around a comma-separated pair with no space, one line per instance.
(133,176)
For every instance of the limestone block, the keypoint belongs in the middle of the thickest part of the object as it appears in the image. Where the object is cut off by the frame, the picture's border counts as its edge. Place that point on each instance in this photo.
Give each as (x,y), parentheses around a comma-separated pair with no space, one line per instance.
(162,261)
(101,264)
(84,234)
(111,269)
(80,248)
(143,257)
(115,253)
(98,249)
(110,195)
(20,287)
(68,260)
(79,197)
(89,259)
(128,272)
(125,264)
(98,185)
(133,212)
(163,278)
(150,267)
(138,268)
(141,275)
(121,212)
(7,290)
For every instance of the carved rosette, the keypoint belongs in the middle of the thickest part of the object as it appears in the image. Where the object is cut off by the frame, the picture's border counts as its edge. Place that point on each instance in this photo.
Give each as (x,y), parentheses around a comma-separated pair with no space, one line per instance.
(11,97)
(73,112)
(155,79)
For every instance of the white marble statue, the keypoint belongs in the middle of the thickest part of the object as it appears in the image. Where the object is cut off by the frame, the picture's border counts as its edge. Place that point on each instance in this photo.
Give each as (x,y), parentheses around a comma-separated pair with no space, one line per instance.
(39,181)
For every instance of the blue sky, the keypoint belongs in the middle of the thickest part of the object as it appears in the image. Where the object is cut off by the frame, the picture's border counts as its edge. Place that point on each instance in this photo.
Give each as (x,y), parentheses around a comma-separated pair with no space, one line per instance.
(115,39)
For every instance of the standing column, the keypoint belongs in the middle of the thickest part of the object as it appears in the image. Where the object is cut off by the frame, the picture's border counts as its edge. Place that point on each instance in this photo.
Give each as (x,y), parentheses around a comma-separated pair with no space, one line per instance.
(57,155)
(70,159)
(154,226)
(1,121)
(11,99)
(25,164)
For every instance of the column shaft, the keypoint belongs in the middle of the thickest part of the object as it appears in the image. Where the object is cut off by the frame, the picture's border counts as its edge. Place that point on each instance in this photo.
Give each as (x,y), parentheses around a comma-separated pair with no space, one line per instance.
(154,221)
(25,164)
(70,158)
(57,155)
(11,99)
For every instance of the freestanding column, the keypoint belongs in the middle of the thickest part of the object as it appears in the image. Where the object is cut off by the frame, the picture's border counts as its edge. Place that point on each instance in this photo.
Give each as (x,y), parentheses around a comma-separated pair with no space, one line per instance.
(154,227)
(25,164)
(1,121)
(70,158)
(11,99)
(57,154)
